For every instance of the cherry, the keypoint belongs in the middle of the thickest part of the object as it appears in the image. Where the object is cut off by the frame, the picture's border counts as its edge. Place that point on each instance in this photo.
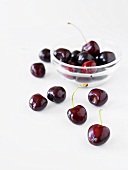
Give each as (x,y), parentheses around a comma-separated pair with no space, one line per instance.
(37,102)
(90,63)
(105,58)
(77,114)
(38,70)
(98,134)
(44,55)
(83,57)
(62,54)
(74,55)
(92,48)
(56,94)
(97,97)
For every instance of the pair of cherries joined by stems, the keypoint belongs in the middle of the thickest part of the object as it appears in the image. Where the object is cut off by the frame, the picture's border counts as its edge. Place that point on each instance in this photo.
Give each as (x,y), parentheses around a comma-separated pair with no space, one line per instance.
(97,133)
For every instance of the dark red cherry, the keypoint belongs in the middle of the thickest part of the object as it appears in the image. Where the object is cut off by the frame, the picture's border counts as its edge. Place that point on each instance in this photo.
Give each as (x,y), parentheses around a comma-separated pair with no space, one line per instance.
(90,63)
(97,97)
(38,70)
(83,57)
(98,134)
(74,55)
(92,48)
(77,114)
(56,94)
(37,102)
(105,58)
(44,55)
(62,54)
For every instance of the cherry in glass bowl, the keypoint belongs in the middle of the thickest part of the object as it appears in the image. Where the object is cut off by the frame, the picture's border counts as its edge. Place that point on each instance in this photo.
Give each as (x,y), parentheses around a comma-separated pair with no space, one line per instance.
(94,75)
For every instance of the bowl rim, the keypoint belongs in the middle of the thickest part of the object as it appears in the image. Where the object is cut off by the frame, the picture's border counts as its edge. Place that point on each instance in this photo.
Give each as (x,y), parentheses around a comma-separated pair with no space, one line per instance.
(92,67)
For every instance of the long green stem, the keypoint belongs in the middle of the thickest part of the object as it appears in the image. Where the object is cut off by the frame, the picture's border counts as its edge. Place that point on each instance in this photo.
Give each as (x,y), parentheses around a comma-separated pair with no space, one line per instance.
(82,85)
(78,30)
(100,116)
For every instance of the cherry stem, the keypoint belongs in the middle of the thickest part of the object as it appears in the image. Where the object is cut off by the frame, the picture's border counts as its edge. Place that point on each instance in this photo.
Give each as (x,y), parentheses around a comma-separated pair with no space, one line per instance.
(79,31)
(82,85)
(100,116)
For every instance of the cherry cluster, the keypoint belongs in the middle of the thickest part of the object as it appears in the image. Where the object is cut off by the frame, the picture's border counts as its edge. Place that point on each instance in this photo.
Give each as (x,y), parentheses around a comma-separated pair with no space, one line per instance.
(97,133)
(90,55)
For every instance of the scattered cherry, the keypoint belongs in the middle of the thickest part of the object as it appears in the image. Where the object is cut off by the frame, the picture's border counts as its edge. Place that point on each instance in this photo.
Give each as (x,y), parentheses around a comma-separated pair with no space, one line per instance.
(98,134)
(105,58)
(92,48)
(97,97)
(44,55)
(90,63)
(62,54)
(56,94)
(37,102)
(38,70)
(77,114)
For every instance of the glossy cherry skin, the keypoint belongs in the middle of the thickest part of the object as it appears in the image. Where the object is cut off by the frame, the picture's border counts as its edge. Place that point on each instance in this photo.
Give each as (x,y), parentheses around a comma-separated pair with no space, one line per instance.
(37,102)
(98,134)
(83,57)
(77,115)
(62,54)
(74,55)
(90,63)
(92,48)
(97,97)
(38,70)
(44,55)
(56,94)
(105,58)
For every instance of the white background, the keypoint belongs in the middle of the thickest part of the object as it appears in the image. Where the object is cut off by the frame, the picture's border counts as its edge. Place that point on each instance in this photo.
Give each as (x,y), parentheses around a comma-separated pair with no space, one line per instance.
(47,140)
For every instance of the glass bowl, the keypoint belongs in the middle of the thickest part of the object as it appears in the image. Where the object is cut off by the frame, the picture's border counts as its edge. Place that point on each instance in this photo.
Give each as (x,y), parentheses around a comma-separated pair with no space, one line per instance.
(95,75)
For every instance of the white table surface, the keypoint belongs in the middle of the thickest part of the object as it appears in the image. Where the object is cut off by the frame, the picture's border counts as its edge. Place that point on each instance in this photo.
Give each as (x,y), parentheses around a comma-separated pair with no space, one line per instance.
(47,140)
